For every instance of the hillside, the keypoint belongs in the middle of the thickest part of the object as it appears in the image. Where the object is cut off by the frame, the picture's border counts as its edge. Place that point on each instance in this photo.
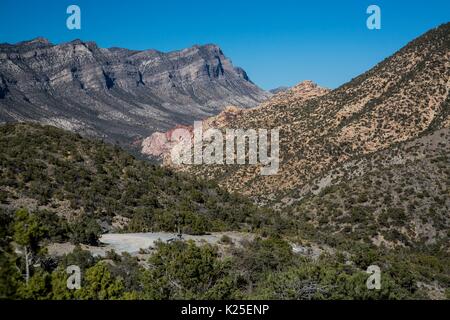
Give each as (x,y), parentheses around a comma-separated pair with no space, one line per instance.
(403,98)
(75,188)
(118,94)
(76,180)
(395,197)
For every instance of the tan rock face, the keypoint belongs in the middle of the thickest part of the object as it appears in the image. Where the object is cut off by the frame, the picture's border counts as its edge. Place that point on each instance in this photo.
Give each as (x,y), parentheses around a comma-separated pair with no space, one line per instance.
(303,91)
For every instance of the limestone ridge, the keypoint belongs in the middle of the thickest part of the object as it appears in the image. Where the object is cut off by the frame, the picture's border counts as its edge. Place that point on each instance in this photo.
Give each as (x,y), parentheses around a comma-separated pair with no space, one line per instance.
(118,94)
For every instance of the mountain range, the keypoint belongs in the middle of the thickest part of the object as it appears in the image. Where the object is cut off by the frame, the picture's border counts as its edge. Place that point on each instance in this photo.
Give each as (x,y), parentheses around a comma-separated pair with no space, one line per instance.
(118,94)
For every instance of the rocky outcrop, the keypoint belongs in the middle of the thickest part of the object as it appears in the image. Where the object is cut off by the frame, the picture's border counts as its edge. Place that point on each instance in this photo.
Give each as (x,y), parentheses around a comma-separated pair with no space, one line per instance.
(118,94)
(159,144)
(303,91)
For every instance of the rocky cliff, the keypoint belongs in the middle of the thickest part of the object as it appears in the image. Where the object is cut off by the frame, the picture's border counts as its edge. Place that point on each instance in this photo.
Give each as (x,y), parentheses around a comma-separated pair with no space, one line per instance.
(118,94)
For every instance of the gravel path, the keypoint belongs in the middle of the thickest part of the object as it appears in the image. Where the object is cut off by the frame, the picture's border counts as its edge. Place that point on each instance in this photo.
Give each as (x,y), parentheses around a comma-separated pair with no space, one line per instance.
(132,243)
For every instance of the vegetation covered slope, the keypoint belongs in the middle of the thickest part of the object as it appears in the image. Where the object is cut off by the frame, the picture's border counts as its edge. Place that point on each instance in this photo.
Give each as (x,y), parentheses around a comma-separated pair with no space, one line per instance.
(404,201)
(263,269)
(73,170)
(78,180)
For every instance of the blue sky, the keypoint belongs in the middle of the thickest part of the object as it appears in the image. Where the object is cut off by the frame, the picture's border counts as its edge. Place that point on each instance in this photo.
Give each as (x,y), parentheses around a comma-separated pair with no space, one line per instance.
(280,42)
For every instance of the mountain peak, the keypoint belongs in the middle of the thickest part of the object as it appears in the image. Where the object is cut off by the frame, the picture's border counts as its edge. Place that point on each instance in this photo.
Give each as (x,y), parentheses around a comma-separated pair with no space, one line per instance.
(209,49)
(301,92)
(307,83)
(38,40)
(25,45)
(209,46)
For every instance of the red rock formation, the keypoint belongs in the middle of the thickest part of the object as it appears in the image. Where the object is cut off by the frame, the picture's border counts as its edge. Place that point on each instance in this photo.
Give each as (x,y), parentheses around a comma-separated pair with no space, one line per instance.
(159,144)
